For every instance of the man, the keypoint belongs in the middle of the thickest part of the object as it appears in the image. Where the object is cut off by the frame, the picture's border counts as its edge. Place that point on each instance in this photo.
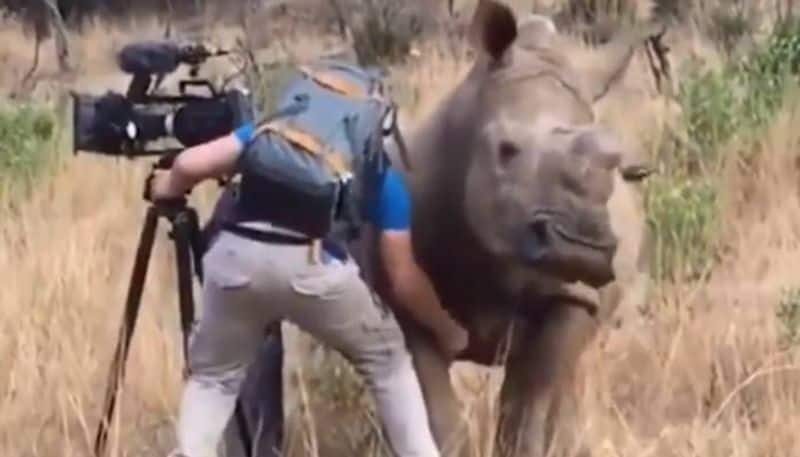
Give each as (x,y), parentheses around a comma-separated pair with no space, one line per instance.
(251,283)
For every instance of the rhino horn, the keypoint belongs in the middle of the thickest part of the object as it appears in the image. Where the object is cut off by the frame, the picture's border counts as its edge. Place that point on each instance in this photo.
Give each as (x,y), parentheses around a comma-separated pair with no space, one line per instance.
(605,148)
(493,28)
(612,152)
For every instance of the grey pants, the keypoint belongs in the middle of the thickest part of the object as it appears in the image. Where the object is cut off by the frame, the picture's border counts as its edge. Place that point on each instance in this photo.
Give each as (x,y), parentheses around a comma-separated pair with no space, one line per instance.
(249,285)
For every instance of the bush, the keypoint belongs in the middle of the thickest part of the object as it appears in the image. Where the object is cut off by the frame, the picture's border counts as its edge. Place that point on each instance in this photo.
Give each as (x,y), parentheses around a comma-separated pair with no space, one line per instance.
(727,26)
(682,216)
(781,54)
(386,31)
(739,100)
(788,314)
(25,134)
(729,106)
(710,118)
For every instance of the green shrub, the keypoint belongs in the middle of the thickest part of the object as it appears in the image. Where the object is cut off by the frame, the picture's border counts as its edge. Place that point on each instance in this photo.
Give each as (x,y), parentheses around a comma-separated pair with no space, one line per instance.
(780,54)
(788,314)
(26,133)
(682,216)
(720,109)
(745,94)
(710,118)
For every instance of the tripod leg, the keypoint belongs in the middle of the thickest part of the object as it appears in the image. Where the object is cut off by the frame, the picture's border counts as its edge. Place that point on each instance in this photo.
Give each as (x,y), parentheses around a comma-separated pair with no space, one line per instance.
(197,242)
(182,234)
(244,428)
(132,303)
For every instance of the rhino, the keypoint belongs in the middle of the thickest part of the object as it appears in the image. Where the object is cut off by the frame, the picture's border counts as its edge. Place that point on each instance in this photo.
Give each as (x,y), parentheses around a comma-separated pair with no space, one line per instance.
(527,218)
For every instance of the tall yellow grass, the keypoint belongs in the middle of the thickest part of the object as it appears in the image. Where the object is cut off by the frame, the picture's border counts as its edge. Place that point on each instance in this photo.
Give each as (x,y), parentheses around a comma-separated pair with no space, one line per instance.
(703,375)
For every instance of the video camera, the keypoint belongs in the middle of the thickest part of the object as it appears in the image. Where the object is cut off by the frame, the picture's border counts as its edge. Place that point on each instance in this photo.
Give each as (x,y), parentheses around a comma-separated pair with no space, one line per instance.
(125,125)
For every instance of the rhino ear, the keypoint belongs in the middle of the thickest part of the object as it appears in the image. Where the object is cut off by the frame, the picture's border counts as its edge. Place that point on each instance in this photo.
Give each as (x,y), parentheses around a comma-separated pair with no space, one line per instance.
(493,28)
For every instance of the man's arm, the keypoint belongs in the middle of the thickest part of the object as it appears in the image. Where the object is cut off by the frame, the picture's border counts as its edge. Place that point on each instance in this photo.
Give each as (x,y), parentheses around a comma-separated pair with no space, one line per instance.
(412,289)
(409,286)
(204,161)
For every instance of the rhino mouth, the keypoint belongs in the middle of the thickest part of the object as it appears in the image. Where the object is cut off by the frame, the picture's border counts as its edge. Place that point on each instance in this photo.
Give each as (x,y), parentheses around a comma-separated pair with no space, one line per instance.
(584,241)
(569,250)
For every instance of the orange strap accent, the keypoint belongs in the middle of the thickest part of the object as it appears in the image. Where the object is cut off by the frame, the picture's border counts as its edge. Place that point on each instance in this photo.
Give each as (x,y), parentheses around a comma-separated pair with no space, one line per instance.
(334,82)
(309,143)
(293,135)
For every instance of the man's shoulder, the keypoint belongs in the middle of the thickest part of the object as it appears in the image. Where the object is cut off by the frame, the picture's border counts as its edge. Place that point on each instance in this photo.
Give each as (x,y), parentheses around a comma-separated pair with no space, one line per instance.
(394,180)
(392,204)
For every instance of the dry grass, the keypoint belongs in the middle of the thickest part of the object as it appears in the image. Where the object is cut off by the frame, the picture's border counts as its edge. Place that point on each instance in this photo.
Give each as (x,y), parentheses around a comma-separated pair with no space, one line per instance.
(705,376)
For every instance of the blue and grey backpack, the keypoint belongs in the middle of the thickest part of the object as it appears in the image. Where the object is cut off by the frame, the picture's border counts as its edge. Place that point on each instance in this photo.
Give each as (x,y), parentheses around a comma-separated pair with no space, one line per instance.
(308,166)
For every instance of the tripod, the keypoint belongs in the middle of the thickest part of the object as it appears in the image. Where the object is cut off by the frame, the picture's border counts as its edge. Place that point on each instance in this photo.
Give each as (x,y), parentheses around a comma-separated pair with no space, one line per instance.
(189,247)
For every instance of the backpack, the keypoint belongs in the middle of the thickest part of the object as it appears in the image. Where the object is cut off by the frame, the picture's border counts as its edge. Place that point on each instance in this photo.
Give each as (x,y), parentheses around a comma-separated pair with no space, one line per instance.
(309,165)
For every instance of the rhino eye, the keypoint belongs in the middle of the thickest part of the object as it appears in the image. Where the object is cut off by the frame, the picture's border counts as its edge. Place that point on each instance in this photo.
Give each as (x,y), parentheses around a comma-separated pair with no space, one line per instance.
(507,151)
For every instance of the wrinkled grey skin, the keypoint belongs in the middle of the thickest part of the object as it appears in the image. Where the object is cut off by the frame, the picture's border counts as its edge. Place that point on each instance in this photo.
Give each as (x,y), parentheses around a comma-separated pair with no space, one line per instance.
(524,223)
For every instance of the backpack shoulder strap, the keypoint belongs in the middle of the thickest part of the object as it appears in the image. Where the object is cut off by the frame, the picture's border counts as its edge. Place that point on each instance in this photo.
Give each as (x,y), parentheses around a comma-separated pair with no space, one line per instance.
(368,84)
(331,81)
(308,143)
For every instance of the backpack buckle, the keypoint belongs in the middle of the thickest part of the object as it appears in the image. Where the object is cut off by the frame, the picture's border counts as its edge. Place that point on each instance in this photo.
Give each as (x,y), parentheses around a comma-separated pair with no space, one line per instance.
(389,120)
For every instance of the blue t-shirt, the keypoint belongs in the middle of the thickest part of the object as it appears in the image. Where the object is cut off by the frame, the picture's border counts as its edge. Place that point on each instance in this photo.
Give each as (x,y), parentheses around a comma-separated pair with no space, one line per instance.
(390,207)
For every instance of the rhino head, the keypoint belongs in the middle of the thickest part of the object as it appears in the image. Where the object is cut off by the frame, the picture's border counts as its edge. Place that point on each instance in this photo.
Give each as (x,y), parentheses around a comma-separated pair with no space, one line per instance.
(538,171)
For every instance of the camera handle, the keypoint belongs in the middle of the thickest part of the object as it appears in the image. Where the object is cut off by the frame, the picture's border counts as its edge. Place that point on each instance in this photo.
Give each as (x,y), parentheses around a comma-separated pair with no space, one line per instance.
(184,84)
(188,245)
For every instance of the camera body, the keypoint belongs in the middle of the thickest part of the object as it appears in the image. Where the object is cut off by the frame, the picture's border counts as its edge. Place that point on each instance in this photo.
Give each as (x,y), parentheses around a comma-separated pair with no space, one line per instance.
(127,125)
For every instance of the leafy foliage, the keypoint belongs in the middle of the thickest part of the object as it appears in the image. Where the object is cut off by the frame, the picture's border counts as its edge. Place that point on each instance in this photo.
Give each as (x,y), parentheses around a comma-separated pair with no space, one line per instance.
(682,215)
(24,135)
(788,314)
(722,108)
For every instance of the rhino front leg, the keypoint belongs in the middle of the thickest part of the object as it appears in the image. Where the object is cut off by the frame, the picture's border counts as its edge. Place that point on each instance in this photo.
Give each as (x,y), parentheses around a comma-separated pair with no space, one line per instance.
(444,409)
(538,398)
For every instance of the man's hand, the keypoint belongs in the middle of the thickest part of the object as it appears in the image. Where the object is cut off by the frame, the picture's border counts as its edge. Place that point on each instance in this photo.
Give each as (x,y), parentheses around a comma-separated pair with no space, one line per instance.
(412,290)
(451,338)
(162,186)
(208,160)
